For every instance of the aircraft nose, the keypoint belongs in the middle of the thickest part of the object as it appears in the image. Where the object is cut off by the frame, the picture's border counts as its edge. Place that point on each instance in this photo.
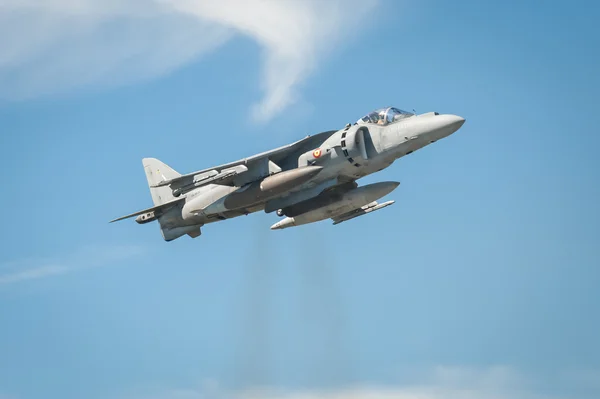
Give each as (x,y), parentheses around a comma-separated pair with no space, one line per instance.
(458,122)
(448,124)
(454,122)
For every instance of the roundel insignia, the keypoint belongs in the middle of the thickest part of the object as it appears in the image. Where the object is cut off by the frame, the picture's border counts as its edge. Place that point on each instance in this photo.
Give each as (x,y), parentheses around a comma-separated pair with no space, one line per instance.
(317,153)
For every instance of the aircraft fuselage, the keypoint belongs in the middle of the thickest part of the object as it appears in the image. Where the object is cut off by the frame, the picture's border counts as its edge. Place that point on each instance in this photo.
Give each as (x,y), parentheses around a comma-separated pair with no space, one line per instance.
(339,158)
(310,180)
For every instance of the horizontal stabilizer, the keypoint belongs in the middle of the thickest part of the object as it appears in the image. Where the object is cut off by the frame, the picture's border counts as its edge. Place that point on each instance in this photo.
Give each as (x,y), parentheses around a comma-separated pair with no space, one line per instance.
(373,206)
(154,209)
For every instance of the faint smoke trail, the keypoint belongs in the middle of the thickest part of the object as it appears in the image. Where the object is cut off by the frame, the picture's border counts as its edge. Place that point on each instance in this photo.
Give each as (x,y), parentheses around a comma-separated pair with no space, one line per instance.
(317,308)
(321,299)
(254,354)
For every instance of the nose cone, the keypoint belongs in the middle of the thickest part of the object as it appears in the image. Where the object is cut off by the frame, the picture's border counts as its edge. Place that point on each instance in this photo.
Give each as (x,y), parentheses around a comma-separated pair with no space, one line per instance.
(441,126)
(448,124)
(455,122)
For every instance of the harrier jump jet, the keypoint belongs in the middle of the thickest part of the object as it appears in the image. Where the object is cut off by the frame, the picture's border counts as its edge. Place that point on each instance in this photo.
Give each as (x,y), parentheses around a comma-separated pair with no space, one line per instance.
(304,182)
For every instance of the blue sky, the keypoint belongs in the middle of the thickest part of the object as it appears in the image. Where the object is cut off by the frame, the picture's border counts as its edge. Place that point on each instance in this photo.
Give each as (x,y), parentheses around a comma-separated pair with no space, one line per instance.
(480,282)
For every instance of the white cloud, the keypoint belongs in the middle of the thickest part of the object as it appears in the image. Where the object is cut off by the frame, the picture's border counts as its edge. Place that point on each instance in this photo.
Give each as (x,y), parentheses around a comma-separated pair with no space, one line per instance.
(54,46)
(294,34)
(31,269)
(438,383)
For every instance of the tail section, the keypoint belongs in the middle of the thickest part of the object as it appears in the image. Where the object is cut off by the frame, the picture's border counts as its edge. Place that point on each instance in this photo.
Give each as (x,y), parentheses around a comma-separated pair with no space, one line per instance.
(156,172)
(167,208)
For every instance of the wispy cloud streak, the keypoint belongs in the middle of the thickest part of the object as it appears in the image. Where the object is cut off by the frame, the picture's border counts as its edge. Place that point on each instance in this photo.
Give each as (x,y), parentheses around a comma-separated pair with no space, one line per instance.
(91,257)
(294,34)
(439,383)
(60,45)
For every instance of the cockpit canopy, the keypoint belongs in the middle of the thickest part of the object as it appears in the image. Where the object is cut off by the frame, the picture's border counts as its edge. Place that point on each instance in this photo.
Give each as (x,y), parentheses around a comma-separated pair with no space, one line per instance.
(385,116)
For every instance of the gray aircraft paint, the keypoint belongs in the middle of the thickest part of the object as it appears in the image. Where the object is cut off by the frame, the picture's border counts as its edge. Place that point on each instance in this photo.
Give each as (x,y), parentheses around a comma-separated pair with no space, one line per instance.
(306,181)
(352,200)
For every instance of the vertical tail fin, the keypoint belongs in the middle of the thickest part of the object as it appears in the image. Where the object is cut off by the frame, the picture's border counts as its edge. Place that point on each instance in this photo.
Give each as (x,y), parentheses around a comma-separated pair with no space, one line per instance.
(156,171)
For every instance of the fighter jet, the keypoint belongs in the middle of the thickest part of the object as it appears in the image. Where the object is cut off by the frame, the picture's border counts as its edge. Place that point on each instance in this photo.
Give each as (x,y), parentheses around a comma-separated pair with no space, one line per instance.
(310,180)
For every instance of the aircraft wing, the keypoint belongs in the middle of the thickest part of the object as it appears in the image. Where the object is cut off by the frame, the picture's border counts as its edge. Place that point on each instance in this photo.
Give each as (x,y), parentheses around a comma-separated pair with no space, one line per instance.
(235,173)
(157,208)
